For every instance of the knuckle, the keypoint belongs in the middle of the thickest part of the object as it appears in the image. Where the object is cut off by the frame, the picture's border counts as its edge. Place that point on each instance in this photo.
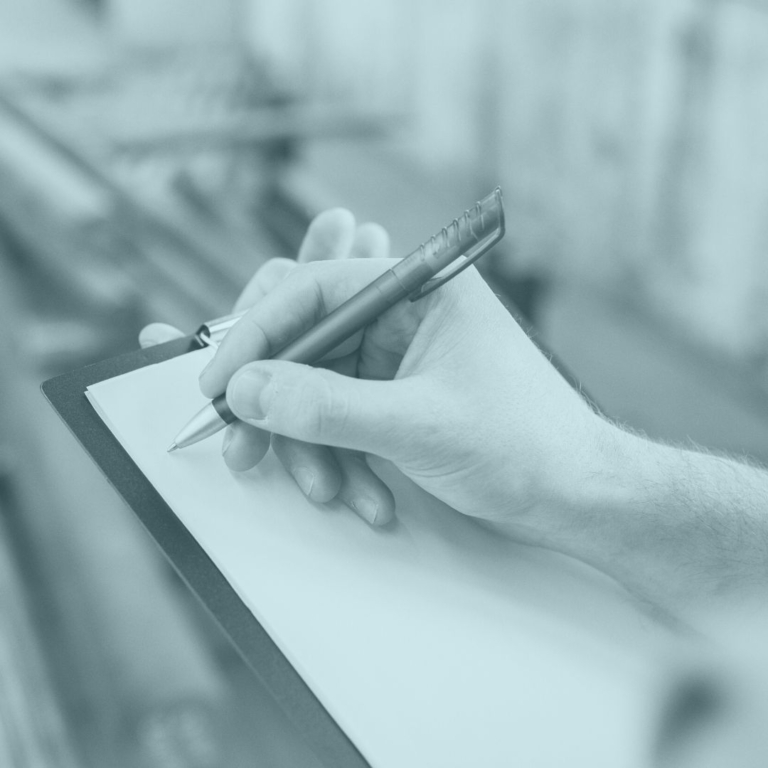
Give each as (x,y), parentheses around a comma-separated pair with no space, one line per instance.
(304,280)
(325,412)
(276,270)
(253,327)
(309,284)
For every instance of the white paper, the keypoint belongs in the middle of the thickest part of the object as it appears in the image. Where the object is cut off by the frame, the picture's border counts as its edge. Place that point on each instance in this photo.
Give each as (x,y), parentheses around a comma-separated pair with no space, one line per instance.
(432,643)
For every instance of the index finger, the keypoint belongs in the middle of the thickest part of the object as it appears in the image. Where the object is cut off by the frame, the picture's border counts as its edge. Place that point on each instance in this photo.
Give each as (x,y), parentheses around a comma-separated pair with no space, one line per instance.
(330,235)
(309,293)
(265,279)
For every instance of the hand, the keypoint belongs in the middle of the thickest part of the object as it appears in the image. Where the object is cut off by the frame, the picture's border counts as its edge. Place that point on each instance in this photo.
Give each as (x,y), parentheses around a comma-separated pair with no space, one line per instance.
(321,474)
(448,388)
(453,392)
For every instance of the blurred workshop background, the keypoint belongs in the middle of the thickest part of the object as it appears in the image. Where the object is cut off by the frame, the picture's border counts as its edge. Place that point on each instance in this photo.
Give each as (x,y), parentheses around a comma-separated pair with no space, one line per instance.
(153,153)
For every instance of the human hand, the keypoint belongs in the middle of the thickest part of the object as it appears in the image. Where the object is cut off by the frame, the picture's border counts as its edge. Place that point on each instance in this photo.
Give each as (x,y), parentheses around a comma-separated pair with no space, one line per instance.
(453,392)
(332,235)
(449,388)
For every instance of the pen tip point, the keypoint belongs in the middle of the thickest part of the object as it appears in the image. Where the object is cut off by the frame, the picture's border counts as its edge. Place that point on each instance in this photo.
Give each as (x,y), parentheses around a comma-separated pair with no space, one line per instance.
(172,447)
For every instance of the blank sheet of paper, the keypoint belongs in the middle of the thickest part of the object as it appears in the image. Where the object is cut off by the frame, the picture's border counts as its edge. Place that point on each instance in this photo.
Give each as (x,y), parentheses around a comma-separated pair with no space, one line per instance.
(431,643)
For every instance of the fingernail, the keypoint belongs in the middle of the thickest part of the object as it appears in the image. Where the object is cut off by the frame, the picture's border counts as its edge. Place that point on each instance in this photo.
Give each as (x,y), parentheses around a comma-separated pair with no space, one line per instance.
(367,508)
(252,395)
(304,479)
(228,435)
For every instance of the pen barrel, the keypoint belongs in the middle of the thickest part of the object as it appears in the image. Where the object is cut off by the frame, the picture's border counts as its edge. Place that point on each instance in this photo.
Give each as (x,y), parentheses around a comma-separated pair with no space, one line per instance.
(346,320)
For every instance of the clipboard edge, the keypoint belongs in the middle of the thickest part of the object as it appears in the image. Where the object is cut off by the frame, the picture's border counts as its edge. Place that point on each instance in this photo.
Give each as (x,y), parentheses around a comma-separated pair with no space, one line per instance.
(66,395)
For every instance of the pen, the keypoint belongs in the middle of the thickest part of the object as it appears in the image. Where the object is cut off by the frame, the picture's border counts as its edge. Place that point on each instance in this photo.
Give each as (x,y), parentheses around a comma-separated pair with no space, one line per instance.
(413,277)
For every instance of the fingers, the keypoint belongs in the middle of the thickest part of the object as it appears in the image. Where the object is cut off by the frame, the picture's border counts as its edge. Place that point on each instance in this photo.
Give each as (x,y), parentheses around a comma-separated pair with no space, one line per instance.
(362,490)
(283,313)
(332,235)
(265,279)
(158,333)
(329,236)
(371,241)
(323,407)
(244,446)
(296,304)
(321,474)
(313,467)
(324,474)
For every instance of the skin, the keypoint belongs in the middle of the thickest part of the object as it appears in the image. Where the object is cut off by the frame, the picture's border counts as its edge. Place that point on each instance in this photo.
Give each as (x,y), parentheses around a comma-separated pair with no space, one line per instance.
(453,392)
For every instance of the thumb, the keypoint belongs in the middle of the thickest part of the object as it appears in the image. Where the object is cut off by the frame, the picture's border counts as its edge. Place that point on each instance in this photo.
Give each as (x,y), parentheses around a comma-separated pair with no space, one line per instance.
(322,407)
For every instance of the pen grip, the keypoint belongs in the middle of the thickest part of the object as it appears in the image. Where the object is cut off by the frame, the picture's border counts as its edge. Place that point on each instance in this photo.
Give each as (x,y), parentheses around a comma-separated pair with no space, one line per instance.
(223,409)
(346,320)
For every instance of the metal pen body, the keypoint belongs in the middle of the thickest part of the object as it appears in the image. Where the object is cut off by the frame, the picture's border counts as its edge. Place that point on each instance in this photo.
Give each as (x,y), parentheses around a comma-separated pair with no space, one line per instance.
(344,321)
(396,284)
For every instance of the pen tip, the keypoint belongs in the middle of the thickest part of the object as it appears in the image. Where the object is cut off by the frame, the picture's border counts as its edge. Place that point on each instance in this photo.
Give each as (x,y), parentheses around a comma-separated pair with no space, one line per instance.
(172,447)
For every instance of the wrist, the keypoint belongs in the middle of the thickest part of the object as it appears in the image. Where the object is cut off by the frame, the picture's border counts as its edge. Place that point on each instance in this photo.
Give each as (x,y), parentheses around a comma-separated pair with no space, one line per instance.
(678,527)
(595,488)
(615,510)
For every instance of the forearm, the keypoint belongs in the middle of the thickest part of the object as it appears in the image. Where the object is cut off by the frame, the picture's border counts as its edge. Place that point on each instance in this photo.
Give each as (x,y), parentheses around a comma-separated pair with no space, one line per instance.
(680,527)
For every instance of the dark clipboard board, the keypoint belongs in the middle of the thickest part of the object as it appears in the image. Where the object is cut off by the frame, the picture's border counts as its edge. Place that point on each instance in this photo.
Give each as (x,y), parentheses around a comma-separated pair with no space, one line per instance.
(66,393)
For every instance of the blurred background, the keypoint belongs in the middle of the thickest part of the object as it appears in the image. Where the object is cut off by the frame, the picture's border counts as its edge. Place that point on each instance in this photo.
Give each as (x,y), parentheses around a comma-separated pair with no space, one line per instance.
(153,153)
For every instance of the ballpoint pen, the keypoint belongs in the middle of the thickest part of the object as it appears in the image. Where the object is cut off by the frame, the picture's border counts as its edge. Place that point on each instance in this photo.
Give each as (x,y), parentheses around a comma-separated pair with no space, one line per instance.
(413,277)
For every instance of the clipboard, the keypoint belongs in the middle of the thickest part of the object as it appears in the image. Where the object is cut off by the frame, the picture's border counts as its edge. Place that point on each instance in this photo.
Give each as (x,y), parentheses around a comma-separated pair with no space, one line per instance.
(66,393)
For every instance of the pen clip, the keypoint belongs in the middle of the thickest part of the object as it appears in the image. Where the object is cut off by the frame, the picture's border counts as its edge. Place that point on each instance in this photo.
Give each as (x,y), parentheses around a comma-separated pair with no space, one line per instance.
(472,254)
